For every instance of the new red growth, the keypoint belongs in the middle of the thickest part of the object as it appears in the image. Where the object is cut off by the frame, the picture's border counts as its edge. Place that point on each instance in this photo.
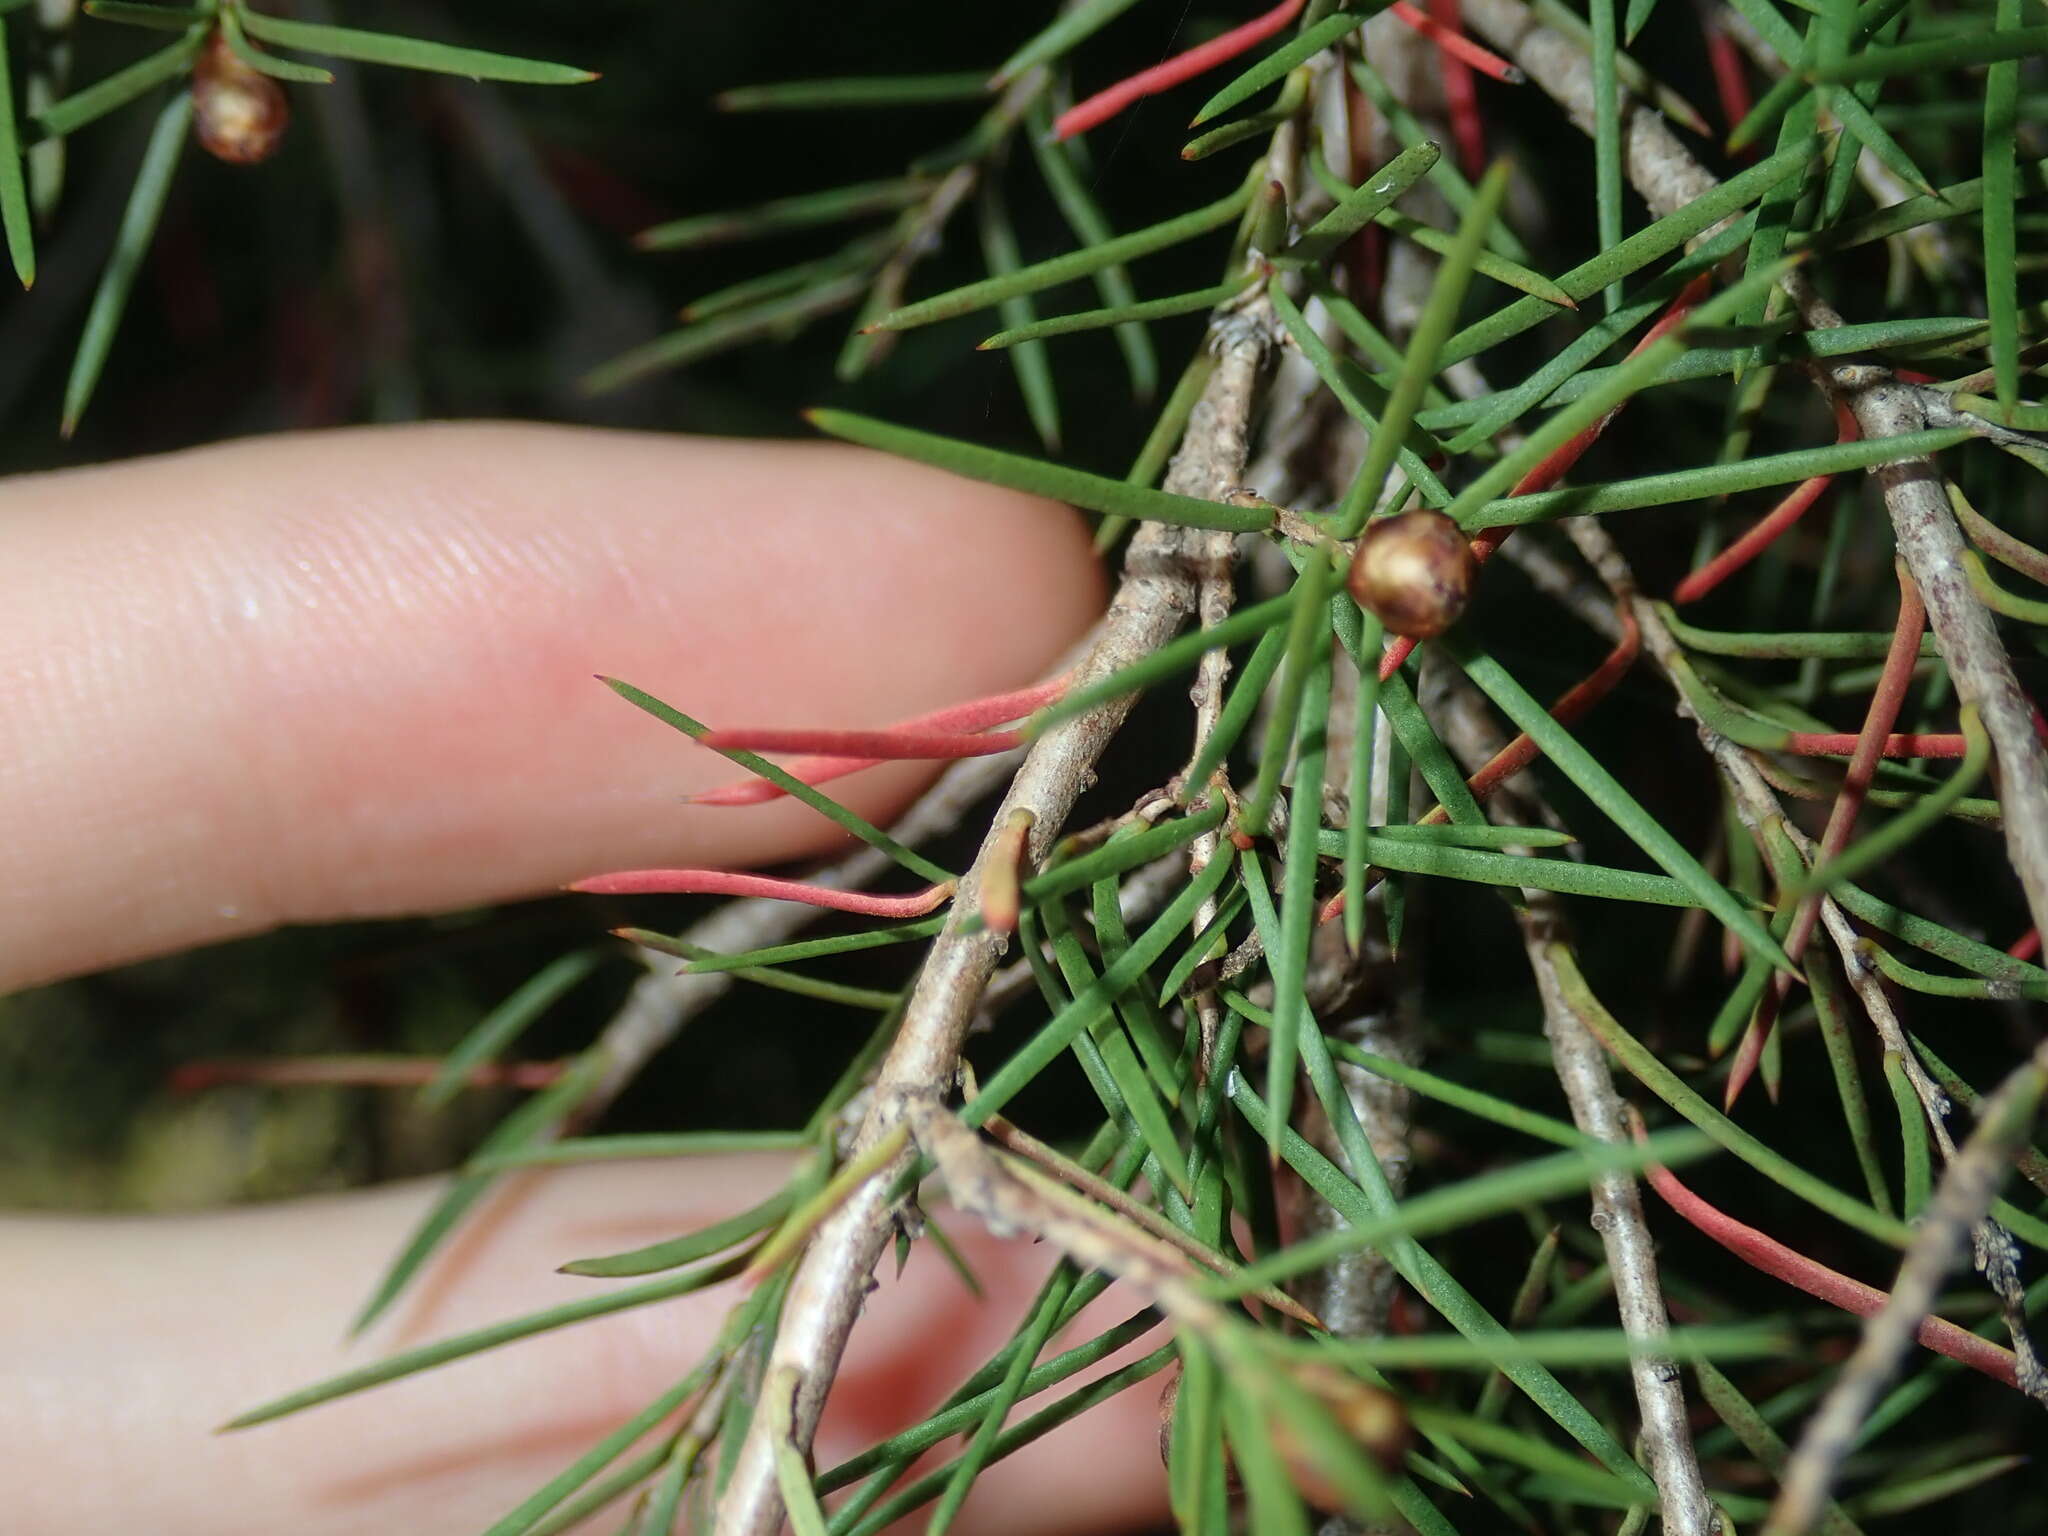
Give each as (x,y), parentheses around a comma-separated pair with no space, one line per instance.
(721,882)
(1178,70)
(974,715)
(1768,531)
(1817,1280)
(1461,97)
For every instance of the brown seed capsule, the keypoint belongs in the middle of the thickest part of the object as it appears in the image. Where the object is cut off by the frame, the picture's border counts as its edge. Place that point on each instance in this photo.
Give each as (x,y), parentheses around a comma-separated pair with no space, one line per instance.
(1169,1398)
(238,113)
(1415,571)
(1370,1417)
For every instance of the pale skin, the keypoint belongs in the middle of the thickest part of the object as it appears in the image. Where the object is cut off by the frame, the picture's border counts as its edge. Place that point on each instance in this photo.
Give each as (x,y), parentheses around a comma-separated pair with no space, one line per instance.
(345,676)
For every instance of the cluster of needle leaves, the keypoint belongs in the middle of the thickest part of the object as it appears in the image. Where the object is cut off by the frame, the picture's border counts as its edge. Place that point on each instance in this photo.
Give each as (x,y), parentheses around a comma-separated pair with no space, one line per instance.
(1883,150)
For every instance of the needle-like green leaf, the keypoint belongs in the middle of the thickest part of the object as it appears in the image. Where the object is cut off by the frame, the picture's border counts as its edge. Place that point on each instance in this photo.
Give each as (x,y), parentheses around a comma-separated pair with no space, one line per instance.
(131,244)
(795,983)
(973,1400)
(1511,274)
(1484,1106)
(1563,17)
(506,1022)
(1364,655)
(863,254)
(1432,759)
(1368,1199)
(1293,96)
(412,1361)
(1028,360)
(1095,1002)
(1708,480)
(1636,252)
(1074,25)
(1604,790)
(1348,385)
(521,1520)
(1957,51)
(1198,302)
(812,949)
(1305,46)
(1093,493)
(1065,269)
(1439,314)
(1566,377)
(1272,1503)
(1057,163)
(1012,1439)
(1903,828)
(1487,416)
(14,212)
(160,18)
(1411,133)
(1838,1027)
(1111,1063)
(408,52)
(1358,209)
(1298,870)
(267,63)
(834,205)
(1245,691)
(1954,201)
(1037,1330)
(2001,233)
(857,91)
(1565,876)
(533,1121)
(1924,933)
(1565,1347)
(1440,835)
(1628,377)
(1917,1178)
(1928,982)
(1122,854)
(120,88)
(1604,45)
(626,1148)
(1459,1205)
(799,1497)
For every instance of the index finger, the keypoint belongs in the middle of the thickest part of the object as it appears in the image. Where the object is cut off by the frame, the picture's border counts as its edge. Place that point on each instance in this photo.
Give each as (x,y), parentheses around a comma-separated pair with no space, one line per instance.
(349,675)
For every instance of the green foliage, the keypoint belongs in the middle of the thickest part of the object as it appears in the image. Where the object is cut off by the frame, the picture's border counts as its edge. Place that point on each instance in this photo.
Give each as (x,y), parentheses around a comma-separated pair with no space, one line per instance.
(1218,1047)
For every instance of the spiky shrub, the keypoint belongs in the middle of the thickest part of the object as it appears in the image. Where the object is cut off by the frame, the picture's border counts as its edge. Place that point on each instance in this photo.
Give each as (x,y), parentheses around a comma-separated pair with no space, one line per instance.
(1354,961)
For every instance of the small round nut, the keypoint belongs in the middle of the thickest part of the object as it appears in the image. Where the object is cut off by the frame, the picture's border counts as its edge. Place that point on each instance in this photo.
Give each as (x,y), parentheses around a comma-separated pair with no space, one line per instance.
(239,114)
(1415,571)
(1370,1417)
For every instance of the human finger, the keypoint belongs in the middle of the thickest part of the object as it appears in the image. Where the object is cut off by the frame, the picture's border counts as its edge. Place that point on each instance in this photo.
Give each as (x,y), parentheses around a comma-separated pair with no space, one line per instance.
(349,674)
(128,1341)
